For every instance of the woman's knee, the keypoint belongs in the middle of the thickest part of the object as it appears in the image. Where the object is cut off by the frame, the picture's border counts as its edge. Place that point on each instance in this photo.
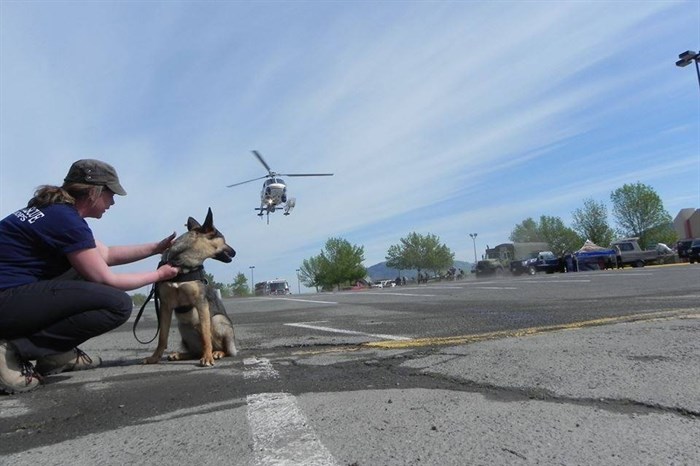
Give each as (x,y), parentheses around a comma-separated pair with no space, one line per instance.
(113,306)
(123,306)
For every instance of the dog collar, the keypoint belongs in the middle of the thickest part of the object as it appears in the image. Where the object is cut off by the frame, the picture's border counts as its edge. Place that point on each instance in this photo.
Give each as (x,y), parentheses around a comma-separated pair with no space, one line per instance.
(196,274)
(188,275)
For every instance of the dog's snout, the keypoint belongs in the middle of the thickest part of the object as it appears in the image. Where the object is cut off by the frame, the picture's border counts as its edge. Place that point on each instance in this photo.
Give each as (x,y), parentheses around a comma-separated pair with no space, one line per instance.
(226,254)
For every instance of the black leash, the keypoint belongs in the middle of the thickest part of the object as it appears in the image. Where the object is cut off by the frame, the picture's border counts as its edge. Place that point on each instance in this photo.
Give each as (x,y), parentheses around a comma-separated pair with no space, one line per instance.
(195,274)
(156,300)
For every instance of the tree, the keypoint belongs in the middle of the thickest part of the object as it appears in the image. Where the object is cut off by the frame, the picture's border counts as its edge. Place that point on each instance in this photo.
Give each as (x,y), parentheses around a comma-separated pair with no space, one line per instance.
(310,272)
(224,289)
(526,232)
(550,230)
(639,212)
(561,239)
(591,222)
(239,287)
(340,262)
(419,252)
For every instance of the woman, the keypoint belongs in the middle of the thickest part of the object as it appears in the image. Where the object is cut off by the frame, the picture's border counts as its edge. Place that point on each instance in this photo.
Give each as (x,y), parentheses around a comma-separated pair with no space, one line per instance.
(56,287)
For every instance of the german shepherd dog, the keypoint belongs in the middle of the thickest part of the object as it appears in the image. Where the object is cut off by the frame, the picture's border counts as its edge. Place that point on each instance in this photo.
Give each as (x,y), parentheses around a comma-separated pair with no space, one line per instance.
(205,328)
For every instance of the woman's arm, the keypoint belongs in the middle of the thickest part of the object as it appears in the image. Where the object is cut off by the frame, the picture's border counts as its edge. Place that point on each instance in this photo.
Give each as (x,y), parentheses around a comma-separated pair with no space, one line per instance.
(118,255)
(92,266)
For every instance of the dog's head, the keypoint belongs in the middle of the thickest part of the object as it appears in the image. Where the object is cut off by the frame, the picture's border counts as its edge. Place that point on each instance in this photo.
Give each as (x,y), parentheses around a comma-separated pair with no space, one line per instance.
(212,242)
(201,242)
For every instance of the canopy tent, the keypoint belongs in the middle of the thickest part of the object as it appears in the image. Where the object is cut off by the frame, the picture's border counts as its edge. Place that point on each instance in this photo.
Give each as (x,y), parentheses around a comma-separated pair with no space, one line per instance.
(590,246)
(593,257)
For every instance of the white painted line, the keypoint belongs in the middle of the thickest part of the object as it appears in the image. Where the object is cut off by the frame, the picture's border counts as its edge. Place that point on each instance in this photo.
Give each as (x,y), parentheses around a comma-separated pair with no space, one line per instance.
(308,301)
(281,433)
(496,287)
(259,369)
(11,407)
(349,332)
(546,282)
(100,385)
(395,293)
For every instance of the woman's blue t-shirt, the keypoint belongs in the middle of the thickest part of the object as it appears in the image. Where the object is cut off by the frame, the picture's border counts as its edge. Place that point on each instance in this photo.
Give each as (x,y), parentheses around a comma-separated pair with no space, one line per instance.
(34,243)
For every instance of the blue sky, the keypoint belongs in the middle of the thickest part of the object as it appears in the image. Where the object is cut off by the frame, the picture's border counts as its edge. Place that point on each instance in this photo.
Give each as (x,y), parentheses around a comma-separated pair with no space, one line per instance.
(436,117)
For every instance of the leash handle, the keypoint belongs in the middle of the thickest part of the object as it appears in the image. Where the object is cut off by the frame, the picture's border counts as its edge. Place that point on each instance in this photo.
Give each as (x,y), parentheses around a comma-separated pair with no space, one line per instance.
(156,301)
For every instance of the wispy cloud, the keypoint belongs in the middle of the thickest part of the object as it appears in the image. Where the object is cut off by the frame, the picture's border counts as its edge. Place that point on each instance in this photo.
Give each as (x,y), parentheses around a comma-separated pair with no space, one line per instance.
(446,118)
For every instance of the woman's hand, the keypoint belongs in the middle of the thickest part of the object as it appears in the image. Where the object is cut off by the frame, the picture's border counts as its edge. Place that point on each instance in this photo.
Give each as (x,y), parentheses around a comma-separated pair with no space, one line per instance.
(167,271)
(164,244)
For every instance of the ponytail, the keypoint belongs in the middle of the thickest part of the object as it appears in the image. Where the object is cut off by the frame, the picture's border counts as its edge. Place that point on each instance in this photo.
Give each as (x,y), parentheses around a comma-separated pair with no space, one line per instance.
(47,195)
(67,194)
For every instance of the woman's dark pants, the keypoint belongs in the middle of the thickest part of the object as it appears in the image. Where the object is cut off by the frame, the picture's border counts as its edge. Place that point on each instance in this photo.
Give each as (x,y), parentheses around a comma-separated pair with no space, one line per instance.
(50,317)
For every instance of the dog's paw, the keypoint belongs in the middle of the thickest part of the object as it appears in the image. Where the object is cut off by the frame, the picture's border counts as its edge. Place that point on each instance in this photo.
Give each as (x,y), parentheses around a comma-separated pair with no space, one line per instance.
(174,357)
(218,354)
(151,360)
(207,361)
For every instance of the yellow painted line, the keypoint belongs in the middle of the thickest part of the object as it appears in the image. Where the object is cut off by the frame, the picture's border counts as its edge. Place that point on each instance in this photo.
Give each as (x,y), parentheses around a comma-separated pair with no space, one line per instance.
(332,350)
(464,339)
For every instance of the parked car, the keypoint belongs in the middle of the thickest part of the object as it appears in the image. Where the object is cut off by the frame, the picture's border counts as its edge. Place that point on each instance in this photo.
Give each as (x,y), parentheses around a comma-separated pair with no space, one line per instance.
(544,261)
(384,284)
(694,252)
(632,254)
(682,247)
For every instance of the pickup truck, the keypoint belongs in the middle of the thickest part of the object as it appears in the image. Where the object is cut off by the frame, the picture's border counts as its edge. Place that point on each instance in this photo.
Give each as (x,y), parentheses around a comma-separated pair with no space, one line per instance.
(632,254)
(544,261)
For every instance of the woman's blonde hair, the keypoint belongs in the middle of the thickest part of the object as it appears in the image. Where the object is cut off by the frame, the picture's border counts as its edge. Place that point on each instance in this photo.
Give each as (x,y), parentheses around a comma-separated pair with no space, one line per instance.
(67,194)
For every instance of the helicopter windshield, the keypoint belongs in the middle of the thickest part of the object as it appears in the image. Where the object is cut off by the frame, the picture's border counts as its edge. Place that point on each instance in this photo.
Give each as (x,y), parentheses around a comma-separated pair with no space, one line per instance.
(274,181)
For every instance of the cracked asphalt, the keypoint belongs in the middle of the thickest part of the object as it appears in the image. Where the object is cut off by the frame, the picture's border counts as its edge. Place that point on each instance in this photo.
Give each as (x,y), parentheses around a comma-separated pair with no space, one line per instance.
(626,393)
(620,392)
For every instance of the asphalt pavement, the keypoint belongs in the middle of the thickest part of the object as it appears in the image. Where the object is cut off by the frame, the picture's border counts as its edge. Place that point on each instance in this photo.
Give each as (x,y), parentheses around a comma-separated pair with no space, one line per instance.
(624,393)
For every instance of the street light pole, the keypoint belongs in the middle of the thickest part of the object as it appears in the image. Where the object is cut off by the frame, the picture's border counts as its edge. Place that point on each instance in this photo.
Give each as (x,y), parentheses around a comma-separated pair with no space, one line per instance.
(252,281)
(685,59)
(473,236)
(298,285)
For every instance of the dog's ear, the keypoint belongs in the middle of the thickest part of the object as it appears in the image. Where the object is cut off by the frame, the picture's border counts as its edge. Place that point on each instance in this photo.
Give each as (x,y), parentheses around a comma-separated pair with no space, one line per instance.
(208,222)
(192,224)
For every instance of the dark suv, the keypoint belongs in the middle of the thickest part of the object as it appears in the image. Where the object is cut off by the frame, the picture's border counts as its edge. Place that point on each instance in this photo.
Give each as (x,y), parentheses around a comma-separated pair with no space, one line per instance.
(682,248)
(694,251)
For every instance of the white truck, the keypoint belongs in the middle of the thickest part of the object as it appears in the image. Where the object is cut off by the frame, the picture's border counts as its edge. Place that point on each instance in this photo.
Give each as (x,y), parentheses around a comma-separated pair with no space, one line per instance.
(633,255)
(272,287)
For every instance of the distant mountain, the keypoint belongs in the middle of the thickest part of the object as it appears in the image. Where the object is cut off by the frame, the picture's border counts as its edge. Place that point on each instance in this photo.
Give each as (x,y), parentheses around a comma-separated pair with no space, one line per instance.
(381,272)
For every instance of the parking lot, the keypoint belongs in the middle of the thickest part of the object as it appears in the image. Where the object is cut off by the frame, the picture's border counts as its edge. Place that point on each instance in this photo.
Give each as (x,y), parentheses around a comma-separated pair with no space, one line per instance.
(582,368)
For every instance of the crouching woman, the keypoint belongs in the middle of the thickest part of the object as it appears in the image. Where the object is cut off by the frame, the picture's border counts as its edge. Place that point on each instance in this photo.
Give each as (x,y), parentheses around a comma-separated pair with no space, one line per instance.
(56,286)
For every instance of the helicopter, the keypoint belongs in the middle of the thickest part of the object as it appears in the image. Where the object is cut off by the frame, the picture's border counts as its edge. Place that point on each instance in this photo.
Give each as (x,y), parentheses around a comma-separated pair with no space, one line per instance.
(273,196)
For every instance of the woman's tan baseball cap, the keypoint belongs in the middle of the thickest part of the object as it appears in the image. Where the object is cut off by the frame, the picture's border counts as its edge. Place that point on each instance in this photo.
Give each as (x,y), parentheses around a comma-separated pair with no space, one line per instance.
(91,171)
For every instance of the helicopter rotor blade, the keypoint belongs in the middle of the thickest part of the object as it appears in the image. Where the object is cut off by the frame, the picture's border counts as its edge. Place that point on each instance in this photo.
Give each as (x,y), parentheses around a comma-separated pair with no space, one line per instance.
(262,161)
(244,182)
(306,174)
